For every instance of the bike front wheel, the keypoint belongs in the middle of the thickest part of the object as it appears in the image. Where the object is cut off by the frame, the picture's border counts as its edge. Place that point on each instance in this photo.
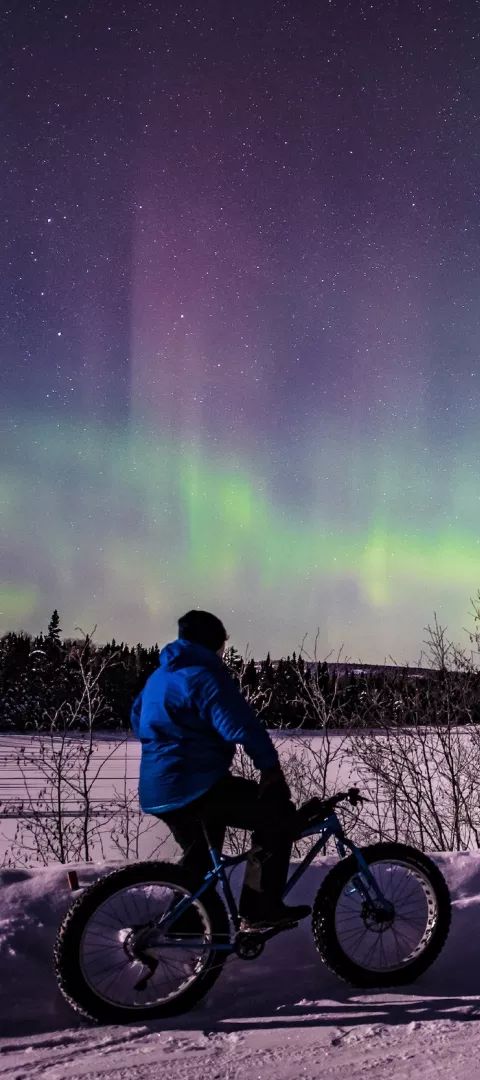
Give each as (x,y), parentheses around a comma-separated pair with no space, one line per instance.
(389,951)
(113,965)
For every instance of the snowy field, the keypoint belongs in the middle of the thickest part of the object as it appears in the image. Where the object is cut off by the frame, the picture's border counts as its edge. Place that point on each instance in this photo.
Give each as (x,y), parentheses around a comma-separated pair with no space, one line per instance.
(115,764)
(281,1017)
(117,831)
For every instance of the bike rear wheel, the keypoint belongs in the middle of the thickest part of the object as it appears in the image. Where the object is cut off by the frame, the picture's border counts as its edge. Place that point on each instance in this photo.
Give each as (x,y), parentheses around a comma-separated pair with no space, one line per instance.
(107,946)
(392,951)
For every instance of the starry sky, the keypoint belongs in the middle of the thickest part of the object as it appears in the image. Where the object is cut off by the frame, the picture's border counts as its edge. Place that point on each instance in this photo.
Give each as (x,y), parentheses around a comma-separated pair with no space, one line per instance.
(240,325)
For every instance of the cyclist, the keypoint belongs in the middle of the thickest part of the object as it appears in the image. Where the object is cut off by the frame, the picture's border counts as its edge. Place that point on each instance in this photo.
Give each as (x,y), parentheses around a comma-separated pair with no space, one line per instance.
(189,718)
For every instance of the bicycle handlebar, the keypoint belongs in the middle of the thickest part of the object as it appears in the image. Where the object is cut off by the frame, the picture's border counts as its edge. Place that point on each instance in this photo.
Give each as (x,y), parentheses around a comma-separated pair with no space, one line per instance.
(353,796)
(316,809)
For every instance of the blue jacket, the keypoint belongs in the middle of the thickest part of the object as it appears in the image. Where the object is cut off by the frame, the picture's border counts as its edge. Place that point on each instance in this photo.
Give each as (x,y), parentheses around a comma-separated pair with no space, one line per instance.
(189,717)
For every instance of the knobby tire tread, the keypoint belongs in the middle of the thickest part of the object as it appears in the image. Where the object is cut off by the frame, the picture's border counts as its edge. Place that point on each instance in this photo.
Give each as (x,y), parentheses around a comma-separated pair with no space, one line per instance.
(70,980)
(323,918)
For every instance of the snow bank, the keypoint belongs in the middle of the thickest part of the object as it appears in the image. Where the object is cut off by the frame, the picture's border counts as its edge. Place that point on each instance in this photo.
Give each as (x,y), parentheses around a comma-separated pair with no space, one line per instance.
(282,1017)
(287,976)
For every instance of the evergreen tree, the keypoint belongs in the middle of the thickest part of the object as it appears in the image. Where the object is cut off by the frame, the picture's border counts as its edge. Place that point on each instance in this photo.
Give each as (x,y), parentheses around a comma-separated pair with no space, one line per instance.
(233,659)
(54,630)
(250,675)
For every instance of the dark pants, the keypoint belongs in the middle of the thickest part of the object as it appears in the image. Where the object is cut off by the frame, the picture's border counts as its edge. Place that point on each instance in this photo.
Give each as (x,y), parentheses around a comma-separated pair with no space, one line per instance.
(236,802)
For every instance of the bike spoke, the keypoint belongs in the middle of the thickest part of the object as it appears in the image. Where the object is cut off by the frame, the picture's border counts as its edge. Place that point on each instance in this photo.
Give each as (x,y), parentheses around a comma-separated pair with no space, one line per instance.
(369,940)
(111,959)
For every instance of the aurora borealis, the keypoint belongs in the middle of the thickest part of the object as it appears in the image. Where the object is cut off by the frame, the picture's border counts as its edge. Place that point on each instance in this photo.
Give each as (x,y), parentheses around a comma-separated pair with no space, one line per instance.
(241,323)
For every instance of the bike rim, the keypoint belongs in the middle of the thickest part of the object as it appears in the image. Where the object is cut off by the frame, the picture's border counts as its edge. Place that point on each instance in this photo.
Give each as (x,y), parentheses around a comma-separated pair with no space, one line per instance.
(106,961)
(388,948)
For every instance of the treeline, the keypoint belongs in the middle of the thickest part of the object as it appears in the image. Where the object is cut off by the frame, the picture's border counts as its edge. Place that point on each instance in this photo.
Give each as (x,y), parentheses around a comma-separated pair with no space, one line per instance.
(39,674)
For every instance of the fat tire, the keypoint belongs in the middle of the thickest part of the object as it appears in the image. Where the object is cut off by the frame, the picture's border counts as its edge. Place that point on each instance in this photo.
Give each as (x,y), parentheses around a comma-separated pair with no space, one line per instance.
(71,982)
(323,918)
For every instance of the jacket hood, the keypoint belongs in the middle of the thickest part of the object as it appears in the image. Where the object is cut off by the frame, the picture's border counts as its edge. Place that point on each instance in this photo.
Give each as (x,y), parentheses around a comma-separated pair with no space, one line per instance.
(182,653)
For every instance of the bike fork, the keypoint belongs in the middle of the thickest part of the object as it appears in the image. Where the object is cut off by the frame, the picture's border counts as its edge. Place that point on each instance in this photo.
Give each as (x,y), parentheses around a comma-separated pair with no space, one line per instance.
(376,902)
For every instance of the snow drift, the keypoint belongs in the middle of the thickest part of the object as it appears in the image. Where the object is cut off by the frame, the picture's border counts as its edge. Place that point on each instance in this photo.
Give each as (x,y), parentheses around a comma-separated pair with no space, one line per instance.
(283,1015)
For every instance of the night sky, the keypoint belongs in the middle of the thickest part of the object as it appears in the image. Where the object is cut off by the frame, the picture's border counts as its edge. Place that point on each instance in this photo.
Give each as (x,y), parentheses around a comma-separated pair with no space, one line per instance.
(240,320)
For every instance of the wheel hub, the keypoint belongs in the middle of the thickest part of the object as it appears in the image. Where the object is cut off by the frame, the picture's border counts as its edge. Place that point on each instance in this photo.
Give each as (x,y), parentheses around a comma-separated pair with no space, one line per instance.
(378,918)
(134,941)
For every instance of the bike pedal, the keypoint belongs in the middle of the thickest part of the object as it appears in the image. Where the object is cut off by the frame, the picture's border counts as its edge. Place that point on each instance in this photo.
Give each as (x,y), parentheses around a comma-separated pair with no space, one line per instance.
(287,925)
(268,931)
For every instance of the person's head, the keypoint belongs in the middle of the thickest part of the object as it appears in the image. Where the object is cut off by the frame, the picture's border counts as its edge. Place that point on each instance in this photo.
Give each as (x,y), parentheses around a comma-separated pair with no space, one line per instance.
(204,629)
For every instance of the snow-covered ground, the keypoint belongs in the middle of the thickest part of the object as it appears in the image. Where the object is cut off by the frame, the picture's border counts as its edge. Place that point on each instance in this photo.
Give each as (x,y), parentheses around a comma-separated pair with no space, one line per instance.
(27,778)
(281,1017)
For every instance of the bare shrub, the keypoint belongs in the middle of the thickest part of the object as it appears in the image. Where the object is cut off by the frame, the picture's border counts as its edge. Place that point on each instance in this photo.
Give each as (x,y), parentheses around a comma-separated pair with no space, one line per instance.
(319,762)
(59,821)
(237,841)
(130,826)
(421,767)
(311,761)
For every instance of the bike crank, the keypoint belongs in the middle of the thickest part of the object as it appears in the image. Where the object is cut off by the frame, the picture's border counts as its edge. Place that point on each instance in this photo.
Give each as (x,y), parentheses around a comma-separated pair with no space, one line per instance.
(250,943)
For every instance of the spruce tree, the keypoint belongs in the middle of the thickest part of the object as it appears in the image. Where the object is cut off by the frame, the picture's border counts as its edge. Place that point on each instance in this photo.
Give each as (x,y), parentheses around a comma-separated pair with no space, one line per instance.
(54,629)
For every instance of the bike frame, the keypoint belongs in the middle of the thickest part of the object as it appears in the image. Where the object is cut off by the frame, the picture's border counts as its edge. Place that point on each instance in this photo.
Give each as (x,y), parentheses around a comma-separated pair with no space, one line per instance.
(328,828)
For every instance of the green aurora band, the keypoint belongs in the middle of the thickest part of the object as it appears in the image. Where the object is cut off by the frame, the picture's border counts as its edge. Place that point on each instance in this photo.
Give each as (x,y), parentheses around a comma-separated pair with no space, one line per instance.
(119,529)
